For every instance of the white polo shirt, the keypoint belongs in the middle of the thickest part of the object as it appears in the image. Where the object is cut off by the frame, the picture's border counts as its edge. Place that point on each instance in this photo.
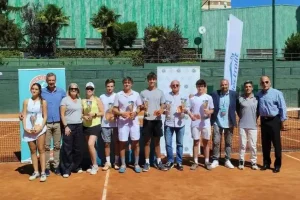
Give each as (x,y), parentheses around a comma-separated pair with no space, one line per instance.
(197,107)
(122,102)
(175,118)
(108,100)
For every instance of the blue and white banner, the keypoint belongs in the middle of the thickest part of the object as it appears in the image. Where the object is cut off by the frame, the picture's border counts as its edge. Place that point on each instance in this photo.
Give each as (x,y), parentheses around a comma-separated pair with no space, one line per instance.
(233,50)
(187,76)
(27,77)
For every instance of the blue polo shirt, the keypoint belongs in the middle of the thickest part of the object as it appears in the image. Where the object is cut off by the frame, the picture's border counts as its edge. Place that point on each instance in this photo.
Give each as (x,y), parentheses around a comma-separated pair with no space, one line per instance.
(53,101)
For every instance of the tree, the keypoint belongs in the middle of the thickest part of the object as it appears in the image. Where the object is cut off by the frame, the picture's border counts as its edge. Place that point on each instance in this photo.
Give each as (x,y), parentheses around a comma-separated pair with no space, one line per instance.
(162,44)
(104,20)
(123,34)
(51,20)
(292,47)
(10,33)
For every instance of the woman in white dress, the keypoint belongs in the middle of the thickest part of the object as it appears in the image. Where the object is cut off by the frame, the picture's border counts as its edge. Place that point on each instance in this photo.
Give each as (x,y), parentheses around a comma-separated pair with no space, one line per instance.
(34,124)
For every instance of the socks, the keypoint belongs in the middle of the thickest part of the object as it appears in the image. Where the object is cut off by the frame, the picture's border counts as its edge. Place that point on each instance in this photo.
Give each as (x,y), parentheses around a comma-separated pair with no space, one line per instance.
(206,160)
(117,159)
(108,159)
(123,161)
(196,160)
(147,160)
(136,161)
(158,160)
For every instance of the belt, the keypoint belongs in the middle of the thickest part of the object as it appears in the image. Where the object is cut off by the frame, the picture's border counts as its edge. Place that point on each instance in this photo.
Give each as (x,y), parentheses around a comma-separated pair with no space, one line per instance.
(53,122)
(268,117)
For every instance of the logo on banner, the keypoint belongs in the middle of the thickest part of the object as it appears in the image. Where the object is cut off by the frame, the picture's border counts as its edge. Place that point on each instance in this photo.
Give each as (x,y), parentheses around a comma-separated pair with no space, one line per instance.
(233,68)
(41,79)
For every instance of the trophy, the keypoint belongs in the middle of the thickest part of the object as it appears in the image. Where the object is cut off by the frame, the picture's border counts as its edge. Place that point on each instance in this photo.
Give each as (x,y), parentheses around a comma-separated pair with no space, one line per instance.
(205,106)
(146,104)
(168,108)
(109,115)
(130,107)
(33,118)
(183,107)
(89,105)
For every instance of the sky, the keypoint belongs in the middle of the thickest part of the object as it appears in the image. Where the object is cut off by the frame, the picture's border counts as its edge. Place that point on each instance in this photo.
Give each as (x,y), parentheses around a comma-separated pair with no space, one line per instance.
(247,3)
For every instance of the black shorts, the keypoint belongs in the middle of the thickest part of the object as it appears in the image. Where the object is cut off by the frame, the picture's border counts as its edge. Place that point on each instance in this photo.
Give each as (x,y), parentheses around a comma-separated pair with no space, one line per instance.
(152,128)
(94,130)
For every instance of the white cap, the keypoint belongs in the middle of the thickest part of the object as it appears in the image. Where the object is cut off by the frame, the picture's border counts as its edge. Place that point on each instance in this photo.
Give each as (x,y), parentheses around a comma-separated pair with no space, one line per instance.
(90,84)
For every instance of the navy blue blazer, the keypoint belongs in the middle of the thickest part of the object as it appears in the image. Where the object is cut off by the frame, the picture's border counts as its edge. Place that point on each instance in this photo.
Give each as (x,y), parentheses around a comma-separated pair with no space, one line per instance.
(233,96)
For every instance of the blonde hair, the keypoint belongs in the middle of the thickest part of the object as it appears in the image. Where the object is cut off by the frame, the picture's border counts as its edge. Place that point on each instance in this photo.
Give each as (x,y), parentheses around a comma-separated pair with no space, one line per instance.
(78,91)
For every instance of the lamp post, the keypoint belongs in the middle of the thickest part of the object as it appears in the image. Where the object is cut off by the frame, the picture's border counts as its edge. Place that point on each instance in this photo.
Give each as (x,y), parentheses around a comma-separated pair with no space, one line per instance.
(273,43)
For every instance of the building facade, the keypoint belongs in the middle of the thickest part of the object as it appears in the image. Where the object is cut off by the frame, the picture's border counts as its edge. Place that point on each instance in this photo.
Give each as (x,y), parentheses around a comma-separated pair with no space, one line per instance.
(215,4)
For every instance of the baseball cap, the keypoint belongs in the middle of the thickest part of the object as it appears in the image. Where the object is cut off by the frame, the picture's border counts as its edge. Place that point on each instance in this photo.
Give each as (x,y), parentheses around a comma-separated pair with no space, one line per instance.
(90,84)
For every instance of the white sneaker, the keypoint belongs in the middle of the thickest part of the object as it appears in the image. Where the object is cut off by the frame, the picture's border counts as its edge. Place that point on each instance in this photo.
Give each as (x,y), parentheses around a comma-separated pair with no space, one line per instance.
(229,165)
(214,164)
(66,175)
(94,170)
(255,167)
(241,165)
(43,177)
(34,176)
(106,167)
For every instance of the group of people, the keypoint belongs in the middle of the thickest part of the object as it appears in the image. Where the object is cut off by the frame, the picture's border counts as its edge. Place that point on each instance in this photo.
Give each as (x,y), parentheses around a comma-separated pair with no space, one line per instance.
(52,114)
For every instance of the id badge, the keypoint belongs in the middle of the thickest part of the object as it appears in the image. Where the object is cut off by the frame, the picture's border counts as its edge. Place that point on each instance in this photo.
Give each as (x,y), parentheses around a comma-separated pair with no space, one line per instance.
(223,111)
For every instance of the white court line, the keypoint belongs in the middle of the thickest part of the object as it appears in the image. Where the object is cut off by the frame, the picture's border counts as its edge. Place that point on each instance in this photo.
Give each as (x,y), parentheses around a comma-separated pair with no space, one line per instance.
(292,157)
(290,139)
(104,192)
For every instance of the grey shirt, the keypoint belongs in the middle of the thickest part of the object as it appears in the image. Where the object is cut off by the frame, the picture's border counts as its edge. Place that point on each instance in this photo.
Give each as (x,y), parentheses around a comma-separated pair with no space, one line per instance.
(73,110)
(155,98)
(247,111)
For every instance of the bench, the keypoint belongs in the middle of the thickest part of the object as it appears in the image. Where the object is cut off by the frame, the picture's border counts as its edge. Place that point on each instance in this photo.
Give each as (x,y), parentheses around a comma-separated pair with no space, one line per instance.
(220,54)
(260,53)
(67,43)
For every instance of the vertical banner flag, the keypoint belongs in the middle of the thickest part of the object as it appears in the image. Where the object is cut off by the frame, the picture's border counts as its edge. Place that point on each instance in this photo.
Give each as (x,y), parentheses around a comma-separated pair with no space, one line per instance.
(27,77)
(233,50)
(187,76)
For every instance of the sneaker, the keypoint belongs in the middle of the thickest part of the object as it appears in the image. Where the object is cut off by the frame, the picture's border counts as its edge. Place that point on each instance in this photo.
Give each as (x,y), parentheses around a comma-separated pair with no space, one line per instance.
(229,165)
(106,167)
(179,166)
(194,166)
(146,167)
(94,169)
(241,165)
(137,169)
(214,164)
(57,171)
(122,169)
(255,167)
(66,175)
(78,170)
(89,169)
(169,165)
(34,176)
(208,166)
(47,172)
(116,166)
(161,167)
(43,177)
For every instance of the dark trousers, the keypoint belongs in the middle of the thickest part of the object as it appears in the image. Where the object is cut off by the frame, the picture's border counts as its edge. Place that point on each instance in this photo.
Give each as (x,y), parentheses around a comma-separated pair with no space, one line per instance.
(72,149)
(270,132)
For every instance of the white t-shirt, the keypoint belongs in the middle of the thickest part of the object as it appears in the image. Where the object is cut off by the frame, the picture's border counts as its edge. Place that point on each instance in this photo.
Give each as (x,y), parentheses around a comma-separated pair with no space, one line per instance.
(108,102)
(197,107)
(122,102)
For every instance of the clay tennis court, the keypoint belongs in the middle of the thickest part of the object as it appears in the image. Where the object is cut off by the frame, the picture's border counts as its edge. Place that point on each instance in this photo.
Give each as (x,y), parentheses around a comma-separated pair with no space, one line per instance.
(221,183)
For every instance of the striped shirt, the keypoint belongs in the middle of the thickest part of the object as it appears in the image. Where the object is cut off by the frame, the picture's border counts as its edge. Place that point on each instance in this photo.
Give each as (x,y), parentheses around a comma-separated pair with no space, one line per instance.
(272,103)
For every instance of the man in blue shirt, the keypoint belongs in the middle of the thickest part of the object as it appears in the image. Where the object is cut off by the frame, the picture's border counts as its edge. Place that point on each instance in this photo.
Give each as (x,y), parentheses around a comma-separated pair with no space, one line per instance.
(223,119)
(272,111)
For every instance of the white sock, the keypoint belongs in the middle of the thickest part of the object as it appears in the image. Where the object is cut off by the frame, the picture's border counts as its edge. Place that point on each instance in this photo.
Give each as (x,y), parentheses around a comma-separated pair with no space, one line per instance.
(116,159)
(147,160)
(108,159)
(206,160)
(196,160)
(158,160)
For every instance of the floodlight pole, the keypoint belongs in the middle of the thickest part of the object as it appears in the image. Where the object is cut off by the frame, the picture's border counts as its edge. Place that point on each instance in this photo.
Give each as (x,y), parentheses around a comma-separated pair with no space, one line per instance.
(273,43)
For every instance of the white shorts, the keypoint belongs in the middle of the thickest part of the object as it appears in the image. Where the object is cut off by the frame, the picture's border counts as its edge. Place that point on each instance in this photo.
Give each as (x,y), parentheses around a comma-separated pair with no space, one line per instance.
(133,130)
(203,132)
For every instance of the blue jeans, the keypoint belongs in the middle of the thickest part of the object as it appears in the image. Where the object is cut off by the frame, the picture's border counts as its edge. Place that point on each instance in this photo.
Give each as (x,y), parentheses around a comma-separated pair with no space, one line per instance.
(179,131)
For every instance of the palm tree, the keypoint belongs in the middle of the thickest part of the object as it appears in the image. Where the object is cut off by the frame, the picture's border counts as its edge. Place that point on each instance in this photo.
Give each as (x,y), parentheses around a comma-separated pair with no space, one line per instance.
(52,19)
(103,20)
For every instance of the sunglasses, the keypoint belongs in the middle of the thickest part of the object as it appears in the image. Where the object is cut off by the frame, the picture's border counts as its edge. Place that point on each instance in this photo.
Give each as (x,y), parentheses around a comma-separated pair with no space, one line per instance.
(175,85)
(74,89)
(265,82)
(92,89)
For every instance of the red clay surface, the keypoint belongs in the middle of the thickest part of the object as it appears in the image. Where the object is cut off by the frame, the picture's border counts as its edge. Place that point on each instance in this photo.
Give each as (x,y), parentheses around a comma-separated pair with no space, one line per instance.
(220,183)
